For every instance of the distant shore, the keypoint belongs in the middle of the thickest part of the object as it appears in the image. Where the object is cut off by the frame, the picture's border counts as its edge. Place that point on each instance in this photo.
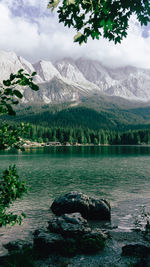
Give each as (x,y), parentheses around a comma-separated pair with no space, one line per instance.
(29,144)
(33,144)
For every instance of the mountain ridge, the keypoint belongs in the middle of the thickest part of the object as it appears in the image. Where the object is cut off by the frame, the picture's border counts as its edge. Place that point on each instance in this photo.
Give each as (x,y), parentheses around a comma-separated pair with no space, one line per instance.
(82,77)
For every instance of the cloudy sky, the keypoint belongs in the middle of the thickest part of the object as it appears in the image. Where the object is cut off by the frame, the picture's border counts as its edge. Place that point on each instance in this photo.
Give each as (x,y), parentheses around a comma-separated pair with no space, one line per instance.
(30,30)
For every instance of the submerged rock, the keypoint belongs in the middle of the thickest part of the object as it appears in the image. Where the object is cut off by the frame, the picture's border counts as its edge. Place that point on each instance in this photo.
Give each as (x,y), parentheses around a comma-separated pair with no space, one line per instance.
(90,208)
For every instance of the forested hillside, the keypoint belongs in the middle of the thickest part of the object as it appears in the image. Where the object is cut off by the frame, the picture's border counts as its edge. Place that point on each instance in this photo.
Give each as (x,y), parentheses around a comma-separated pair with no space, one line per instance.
(84,116)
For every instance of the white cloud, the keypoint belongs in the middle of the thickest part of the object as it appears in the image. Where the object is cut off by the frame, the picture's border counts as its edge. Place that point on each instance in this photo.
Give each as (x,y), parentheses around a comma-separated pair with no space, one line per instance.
(36,2)
(16,33)
(9,3)
(45,38)
(12,3)
(40,4)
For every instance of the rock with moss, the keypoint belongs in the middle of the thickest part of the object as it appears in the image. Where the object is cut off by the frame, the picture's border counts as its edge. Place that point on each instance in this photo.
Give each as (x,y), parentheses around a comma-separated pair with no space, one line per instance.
(90,208)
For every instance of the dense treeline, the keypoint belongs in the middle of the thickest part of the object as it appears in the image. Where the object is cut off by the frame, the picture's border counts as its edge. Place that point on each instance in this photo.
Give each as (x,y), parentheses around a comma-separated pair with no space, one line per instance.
(87,136)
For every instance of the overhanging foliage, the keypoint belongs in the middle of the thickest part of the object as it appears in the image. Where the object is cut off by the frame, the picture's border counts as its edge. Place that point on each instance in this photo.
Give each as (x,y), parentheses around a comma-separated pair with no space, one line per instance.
(107,18)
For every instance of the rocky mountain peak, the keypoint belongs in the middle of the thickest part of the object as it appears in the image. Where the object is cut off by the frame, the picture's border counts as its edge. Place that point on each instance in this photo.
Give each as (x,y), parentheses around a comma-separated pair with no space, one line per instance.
(46,70)
(69,70)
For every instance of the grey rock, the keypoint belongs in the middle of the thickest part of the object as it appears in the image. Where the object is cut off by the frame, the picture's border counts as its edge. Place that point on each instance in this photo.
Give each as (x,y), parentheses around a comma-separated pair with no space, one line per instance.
(47,243)
(73,227)
(70,225)
(89,207)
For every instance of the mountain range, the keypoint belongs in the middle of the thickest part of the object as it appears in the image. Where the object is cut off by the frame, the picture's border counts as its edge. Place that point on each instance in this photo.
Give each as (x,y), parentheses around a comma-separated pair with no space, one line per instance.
(82,93)
(73,80)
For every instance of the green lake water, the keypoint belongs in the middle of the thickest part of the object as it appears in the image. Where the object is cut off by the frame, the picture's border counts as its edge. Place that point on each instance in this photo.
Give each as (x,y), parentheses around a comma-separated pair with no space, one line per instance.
(120,174)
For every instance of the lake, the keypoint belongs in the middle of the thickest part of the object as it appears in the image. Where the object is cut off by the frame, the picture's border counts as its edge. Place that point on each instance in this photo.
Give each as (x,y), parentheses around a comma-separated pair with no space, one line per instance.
(120,174)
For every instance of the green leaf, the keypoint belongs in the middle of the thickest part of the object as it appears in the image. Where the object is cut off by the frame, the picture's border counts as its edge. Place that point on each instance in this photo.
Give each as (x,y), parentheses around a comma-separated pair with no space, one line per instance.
(33,86)
(23,215)
(109,24)
(7,82)
(10,110)
(18,94)
(117,40)
(20,71)
(15,102)
(33,73)
(95,35)
(102,23)
(12,77)
(8,91)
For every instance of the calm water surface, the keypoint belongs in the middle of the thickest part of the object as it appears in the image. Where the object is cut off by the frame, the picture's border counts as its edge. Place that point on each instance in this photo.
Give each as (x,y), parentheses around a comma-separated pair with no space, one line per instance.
(120,174)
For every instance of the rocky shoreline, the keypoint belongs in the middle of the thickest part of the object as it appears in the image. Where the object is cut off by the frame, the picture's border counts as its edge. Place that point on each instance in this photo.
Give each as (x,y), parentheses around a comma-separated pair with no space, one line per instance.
(71,239)
(30,144)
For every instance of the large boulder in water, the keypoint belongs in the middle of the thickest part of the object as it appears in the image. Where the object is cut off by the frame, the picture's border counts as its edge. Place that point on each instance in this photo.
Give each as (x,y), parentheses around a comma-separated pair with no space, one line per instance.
(90,208)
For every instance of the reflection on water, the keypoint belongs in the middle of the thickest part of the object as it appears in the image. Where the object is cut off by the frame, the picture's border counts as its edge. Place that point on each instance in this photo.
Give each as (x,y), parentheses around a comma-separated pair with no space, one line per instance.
(120,174)
(84,150)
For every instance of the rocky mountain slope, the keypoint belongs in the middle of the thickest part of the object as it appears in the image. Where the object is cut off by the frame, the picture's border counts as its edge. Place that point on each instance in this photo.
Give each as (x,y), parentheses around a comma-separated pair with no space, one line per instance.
(73,80)
(128,82)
